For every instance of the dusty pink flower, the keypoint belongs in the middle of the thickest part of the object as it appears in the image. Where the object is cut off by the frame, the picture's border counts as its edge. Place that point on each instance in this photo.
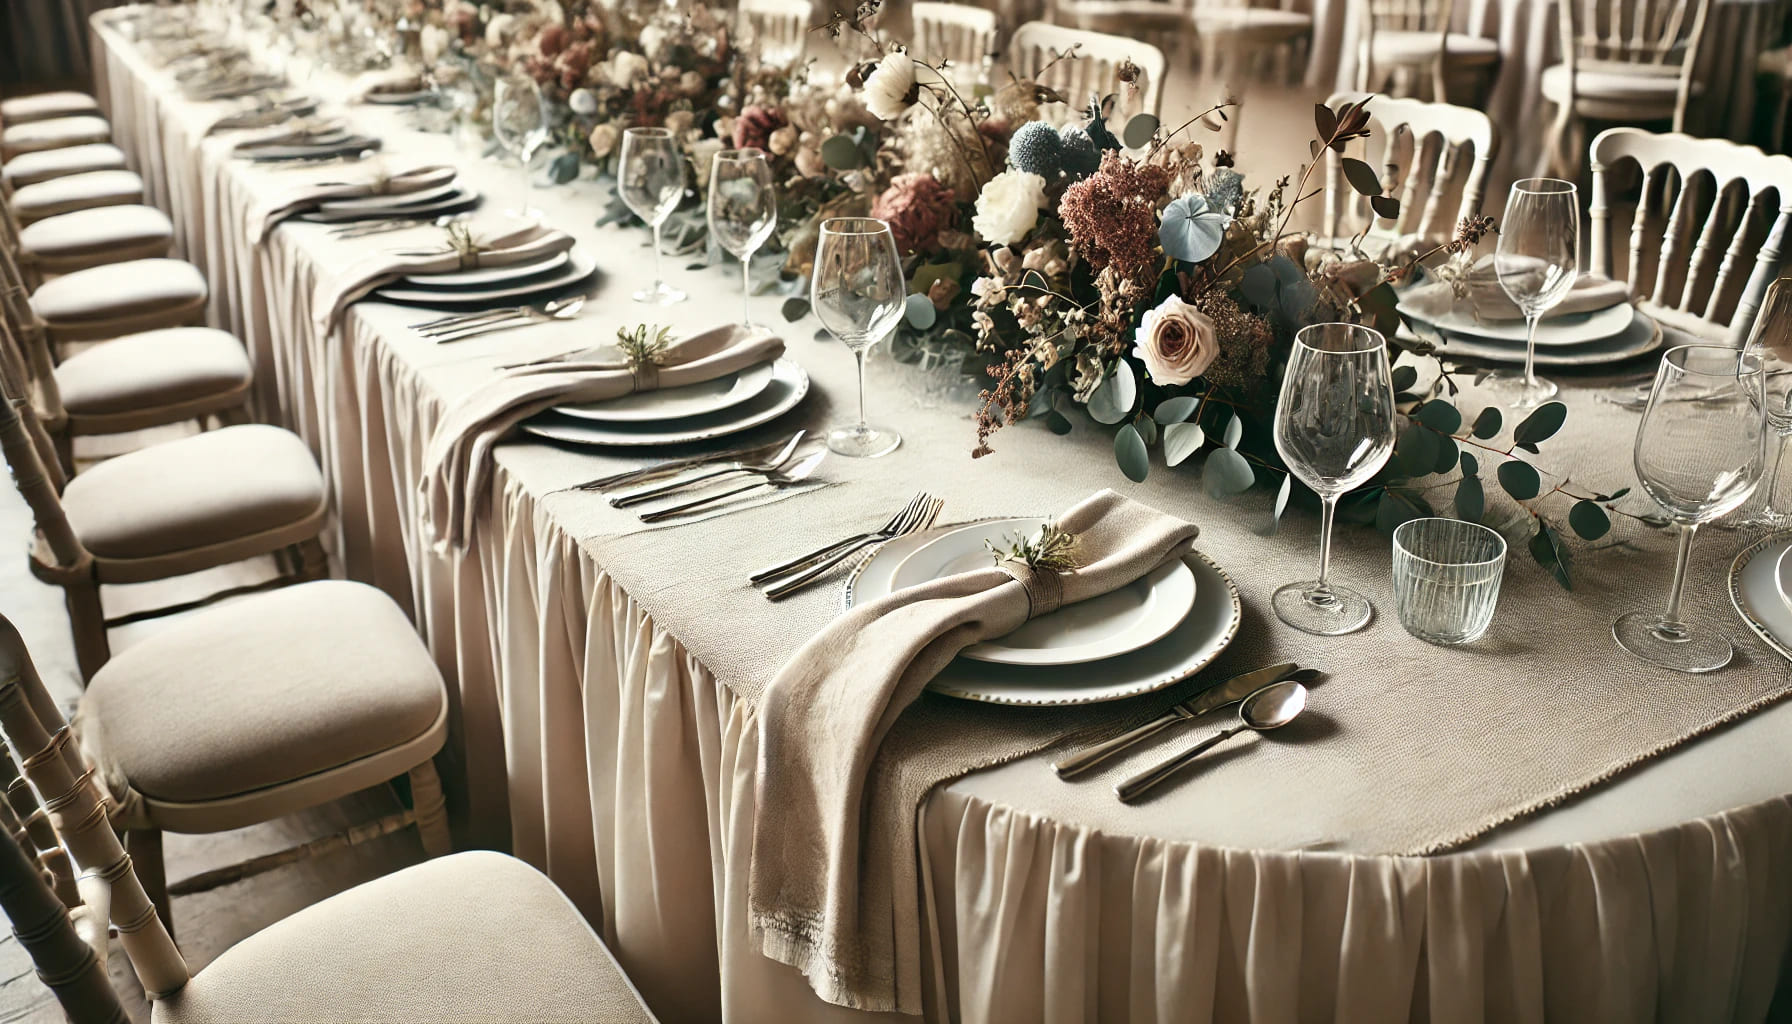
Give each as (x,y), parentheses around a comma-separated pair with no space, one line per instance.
(917,207)
(754,127)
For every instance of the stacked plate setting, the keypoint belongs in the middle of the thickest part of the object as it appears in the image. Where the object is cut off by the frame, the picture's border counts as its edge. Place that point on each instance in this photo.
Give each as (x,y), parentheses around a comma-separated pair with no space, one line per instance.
(1153,633)
(518,284)
(715,408)
(1594,338)
(450,198)
(1761,590)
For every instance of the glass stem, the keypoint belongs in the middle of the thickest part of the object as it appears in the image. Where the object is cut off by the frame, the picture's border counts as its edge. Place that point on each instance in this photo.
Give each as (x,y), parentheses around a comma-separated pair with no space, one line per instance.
(1530,350)
(859,354)
(746,289)
(1670,620)
(1773,476)
(1328,507)
(659,277)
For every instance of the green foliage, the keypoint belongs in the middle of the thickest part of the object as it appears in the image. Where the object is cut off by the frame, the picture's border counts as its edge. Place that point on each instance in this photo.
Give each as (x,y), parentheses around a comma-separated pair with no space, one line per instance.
(1129,452)
(1519,479)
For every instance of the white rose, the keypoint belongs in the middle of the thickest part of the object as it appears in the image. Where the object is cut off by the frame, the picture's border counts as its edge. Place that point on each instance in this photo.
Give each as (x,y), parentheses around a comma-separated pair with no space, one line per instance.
(603,140)
(498,29)
(433,42)
(890,89)
(679,121)
(626,67)
(1177,342)
(1008,207)
(652,38)
(582,102)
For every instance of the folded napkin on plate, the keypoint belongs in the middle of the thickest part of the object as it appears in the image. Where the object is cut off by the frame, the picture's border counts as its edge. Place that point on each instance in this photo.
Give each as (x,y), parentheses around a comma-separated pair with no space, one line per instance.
(833,862)
(1487,301)
(309,197)
(526,245)
(458,459)
(392,81)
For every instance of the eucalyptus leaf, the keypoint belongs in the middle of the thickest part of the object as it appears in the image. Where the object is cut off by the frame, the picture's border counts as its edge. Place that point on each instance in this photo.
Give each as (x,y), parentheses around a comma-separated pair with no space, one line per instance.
(1114,398)
(1226,473)
(1282,494)
(1234,432)
(1520,479)
(1360,175)
(1259,286)
(1190,230)
(1446,455)
(795,308)
(564,168)
(1547,548)
(1415,450)
(1398,506)
(1147,429)
(919,312)
(842,154)
(1385,207)
(1471,499)
(1405,377)
(1129,452)
(1470,465)
(1057,422)
(1439,415)
(1177,409)
(1138,132)
(1324,120)
(1488,423)
(1588,520)
(1542,424)
(1182,440)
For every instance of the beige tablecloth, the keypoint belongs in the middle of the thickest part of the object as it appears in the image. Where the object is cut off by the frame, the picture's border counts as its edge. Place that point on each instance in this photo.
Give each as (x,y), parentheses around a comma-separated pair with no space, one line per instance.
(602,729)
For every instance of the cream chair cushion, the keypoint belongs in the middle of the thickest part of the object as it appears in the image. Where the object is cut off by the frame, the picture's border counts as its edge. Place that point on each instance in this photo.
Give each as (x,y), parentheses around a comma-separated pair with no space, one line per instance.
(475,936)
(260,692)
(117,290)
(152,369)
(1397,47)
(54,133)
(124,230)
(30,168)
(1654,88)
(201,490)
(76,192)
(45,105)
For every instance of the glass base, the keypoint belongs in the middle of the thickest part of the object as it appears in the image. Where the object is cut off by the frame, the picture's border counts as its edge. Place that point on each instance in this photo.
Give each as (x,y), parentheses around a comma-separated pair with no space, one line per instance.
(1327,612)
(661,294)
(863,442)
(1682,647)
(1766,518)
(1518,392)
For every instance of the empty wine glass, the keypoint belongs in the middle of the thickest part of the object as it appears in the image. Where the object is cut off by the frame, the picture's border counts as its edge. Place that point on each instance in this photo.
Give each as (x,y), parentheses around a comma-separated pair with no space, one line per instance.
(650,178)
(520,124)
(1335,430)
(1771,345)
(1537,260)
(859,291)
(1700,450)
(743,210)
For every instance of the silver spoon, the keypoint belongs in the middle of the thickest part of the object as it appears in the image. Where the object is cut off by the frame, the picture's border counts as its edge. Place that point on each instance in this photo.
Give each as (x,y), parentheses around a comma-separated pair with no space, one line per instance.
(1269,708)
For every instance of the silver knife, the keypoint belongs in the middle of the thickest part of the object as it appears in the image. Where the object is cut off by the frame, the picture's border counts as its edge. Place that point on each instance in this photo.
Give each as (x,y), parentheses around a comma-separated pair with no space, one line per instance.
(1235,689)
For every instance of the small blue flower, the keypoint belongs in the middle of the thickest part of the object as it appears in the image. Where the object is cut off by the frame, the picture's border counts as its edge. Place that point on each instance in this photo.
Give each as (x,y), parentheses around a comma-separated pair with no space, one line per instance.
(1037,149)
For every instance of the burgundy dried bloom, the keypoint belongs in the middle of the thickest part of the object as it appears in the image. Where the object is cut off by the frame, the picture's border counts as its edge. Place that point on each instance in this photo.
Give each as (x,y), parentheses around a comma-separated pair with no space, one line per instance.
(572,64)
(1112,215)
(552,40)
(917,208)
(754,127)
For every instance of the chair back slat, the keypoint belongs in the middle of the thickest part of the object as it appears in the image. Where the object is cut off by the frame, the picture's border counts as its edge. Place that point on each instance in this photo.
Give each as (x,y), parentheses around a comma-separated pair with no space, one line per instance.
(1444,138)
(1095,68)
(778,28)
(959,33)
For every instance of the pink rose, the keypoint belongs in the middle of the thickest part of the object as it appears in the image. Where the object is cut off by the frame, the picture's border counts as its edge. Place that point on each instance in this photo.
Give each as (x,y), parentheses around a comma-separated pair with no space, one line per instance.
(1176,341)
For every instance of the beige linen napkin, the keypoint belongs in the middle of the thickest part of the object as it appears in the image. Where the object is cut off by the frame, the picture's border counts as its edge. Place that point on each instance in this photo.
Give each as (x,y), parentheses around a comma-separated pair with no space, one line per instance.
(531,244)
(309,197)
(458,460)
(1487,301)
(394,80)
(833,863)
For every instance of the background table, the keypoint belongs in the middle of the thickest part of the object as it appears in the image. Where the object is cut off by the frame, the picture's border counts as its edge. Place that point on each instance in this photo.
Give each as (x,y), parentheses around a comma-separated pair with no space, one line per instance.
(596,732)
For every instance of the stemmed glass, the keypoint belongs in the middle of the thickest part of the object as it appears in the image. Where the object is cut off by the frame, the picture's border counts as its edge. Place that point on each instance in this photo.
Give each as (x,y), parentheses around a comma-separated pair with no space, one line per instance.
(743,210)
(1335,430)
(1771,345)
(650,178)
(520,123)
(1537,260)
(1700,450)
(859,292)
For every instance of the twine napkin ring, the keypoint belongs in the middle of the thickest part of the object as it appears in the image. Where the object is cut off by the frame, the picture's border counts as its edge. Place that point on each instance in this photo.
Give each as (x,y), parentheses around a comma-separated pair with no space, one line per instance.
(464,246)
(1038,563)
(1044,587)
(645,349)
(646,375)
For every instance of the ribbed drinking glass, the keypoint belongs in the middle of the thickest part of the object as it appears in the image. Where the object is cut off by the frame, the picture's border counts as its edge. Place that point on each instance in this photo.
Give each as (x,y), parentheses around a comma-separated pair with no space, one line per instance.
(1447,578)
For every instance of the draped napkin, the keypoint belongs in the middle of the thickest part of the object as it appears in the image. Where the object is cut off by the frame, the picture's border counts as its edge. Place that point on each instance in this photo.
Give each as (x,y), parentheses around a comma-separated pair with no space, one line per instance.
(1487,301)
(531,244)
(833,862)
(397,80)
(458,460)
(310,197)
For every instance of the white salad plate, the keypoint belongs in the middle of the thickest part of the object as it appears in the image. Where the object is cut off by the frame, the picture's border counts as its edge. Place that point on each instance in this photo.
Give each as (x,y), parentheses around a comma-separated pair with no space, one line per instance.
(481,276)
(577,268)
(789,384)
(1755,591)
(667,404)
(1196,641)
(1782,576)
(1643,335)
(1555,331)
(382,203)
(459,199)
(1123,620)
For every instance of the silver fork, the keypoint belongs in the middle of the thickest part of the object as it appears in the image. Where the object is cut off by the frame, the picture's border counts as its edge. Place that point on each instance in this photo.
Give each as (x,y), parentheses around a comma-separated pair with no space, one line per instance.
(778,481)
(920,519)
(485,318)
(559,309)
(804,561)
(766,464)
(659,469)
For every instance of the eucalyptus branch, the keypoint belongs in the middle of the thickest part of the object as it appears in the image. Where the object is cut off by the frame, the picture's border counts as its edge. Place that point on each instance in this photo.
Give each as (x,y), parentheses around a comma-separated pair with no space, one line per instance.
(1560,488)
(1184,126)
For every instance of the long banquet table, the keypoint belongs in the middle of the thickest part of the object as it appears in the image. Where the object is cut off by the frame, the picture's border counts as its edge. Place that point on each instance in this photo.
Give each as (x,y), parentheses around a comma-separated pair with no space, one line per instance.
(604,730)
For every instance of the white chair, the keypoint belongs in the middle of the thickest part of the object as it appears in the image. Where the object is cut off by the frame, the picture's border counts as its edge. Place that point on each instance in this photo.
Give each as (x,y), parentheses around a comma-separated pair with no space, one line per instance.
(1704,244)
(1402,44)
(959,33)
(1627,61)
(1095,69)
(779,28)
(1451,150)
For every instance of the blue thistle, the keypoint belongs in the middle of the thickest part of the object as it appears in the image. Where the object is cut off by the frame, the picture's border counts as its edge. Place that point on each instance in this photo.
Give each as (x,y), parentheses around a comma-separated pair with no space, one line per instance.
(1036,149)
(1081,156)
(1225,189)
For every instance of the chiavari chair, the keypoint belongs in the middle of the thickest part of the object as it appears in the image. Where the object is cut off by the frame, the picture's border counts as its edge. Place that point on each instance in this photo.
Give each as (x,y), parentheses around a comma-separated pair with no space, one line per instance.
(45,106)
(53,133)
(74,192)
(1705,241)
(1402,44)
(958,33)
(780,28)
(49,164)
(1034,48)
(1452,149)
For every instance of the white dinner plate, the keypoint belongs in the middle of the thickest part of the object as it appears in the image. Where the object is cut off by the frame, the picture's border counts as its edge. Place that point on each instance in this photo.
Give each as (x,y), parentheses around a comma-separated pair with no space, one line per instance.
(578,267)
(668,404)
(1782,576)
(384,203)
(1755,591)
(398,99)
(1643,335)
(481,276)
(1143,612)
(461,198)
(789,384)
(1568,329)
(1196,641)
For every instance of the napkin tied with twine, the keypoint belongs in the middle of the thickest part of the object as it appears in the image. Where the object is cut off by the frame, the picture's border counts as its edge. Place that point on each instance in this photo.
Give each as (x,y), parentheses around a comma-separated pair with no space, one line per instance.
(834,837)
(1487,301)
(263,219)
(457,464)
(463,251)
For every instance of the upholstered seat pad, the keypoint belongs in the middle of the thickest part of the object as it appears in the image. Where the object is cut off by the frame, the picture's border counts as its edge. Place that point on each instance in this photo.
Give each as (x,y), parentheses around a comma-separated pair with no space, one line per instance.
(77,192)
(54,133)
(474,936)
(29,168)
(119,290)
(85,232)
(1397,47)
(152,369)
(262,691)
(45,105)
(194,492)
(1597,81)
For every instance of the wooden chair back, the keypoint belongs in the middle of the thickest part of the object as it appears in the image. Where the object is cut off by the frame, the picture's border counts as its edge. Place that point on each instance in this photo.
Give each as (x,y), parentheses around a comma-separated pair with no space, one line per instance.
(1451,150)
(1651,36)
(79,812)
(1407,15)
(779,28)
(1706,239)
(1035,47)
(960,33)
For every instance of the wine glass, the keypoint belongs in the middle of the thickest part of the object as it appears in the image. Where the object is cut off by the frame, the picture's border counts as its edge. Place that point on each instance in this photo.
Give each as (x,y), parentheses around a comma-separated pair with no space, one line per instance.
(520,123)
(743,210)
(1700,450)
(1537,260)
(1771,344)
(650,178)
(859,292)
(1335,430)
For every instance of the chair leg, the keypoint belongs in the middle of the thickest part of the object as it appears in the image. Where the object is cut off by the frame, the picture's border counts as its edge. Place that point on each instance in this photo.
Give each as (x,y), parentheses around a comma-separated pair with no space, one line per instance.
(431,810)
(145,847)
(87,620)
(311,561)
(235,416)
(64,441)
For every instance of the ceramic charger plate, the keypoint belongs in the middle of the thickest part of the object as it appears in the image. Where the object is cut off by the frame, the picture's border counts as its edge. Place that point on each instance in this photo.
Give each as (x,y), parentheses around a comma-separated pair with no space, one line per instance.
(1567,329)
(1643,335)
(1206,631)
(461,198)
(789,383)
(1114,623)
(578,267)
(1755,591)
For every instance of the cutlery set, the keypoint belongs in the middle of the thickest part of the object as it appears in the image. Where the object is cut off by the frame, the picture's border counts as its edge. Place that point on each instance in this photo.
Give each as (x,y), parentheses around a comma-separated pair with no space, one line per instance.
(919,514)
(461,326)
(777,467)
